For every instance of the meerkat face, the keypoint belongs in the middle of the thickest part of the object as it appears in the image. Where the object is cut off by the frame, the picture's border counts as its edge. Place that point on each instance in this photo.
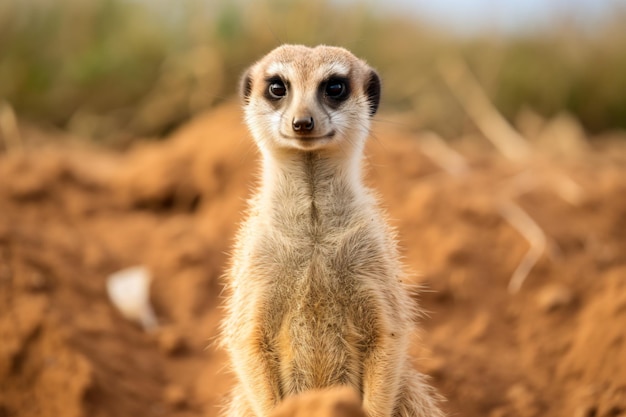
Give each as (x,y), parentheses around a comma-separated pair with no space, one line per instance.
(310,98)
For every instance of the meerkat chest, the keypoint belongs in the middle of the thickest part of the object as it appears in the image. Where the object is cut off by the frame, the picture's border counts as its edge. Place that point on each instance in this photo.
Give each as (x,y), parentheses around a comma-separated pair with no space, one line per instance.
(321,271)
(328,310)
(319,257)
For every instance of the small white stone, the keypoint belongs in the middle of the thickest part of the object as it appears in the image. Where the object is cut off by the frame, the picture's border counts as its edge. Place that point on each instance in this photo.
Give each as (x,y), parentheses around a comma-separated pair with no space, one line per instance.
(554,297)
(129,291)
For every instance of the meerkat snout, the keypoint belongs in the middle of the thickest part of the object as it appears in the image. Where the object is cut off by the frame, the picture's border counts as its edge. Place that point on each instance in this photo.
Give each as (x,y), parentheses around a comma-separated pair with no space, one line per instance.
(310,98)
(303,124)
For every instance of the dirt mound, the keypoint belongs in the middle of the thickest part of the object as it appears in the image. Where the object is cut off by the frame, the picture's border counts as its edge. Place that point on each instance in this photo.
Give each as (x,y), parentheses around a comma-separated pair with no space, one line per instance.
(69,218)
(335,402)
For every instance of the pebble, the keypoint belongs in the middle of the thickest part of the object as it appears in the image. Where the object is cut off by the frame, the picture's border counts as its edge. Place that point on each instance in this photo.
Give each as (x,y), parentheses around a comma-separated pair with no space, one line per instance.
(554,297)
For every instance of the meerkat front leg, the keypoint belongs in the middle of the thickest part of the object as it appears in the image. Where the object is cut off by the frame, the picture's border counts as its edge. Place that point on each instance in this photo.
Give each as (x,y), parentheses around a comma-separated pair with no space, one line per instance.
(381,377)
(250,335)
(257,371)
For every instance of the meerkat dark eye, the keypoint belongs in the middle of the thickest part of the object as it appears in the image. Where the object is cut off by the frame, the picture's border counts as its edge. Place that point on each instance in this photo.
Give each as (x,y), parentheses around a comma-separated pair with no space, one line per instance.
(336,89)
(277,90)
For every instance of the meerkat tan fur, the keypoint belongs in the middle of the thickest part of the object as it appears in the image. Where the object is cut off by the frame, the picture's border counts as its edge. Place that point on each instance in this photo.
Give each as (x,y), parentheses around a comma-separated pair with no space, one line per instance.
(316,295)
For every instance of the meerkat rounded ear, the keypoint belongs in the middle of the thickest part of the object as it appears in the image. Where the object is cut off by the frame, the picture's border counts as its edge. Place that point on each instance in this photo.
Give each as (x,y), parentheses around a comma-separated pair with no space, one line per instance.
(245,86)
(372,89)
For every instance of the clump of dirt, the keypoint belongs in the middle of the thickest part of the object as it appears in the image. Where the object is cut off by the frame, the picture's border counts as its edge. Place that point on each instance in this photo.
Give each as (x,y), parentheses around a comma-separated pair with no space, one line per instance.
(70,217)
(333,402)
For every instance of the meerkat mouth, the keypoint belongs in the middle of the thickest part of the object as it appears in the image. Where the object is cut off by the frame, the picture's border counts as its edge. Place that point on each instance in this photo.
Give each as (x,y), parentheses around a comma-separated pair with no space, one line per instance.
(309,138)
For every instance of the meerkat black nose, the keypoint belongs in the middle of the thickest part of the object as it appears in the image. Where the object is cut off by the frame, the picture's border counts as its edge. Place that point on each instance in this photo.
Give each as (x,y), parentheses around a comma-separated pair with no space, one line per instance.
(303,124)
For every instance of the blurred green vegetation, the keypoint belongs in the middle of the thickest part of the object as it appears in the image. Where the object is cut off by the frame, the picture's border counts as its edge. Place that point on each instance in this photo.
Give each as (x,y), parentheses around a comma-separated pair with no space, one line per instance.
(111,68)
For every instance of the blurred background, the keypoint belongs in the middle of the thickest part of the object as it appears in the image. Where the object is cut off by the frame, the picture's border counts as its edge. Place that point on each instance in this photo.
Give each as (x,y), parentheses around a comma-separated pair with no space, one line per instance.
(499,152)
(118,69)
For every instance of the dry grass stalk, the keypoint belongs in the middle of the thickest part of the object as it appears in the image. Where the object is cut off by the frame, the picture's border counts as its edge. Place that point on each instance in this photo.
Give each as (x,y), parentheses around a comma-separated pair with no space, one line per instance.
(566,188)
(535,236)
(494,126)
(9,130)
(472,97)
(434,147)
(512,145)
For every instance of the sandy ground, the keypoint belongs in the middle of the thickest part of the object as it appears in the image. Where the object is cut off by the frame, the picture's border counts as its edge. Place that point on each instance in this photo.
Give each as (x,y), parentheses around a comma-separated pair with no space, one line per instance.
(70,217)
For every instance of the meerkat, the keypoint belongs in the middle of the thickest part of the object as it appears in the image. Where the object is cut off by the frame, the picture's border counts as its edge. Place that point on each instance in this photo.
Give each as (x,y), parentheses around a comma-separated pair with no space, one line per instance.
(316,294)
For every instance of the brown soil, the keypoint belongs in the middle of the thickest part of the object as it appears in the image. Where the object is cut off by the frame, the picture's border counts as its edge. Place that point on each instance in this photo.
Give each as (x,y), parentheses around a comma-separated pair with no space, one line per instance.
(332,402)
(70,217)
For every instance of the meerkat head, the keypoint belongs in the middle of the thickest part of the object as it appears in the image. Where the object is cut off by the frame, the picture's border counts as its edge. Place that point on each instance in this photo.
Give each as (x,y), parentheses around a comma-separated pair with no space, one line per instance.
(308,99)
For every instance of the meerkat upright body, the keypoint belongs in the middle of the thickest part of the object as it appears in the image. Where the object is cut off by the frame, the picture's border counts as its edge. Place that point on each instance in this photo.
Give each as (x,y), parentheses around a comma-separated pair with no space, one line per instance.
(316,295)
